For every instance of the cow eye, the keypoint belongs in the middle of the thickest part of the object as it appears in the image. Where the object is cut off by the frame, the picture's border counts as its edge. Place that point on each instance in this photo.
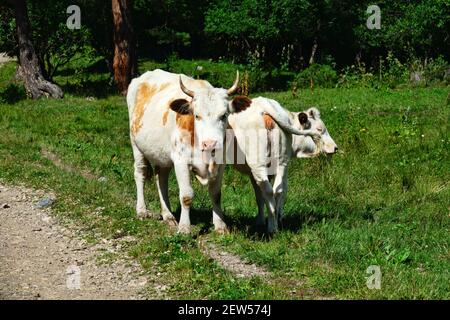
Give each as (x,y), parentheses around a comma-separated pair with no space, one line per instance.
(197,117)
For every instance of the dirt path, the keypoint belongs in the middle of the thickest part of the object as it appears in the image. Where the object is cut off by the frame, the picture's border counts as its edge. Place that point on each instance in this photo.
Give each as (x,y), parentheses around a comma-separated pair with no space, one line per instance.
(40,258)
(231,262)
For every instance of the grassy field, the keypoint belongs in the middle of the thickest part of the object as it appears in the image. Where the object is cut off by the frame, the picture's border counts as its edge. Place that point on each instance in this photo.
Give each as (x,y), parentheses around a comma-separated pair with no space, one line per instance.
(383,200)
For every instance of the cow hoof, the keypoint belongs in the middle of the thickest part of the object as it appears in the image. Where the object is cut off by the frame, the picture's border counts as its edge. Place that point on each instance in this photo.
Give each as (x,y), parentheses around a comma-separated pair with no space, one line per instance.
(154,216)
(184,229)
(222,231)
(148,215)
(171,222)
(141,215)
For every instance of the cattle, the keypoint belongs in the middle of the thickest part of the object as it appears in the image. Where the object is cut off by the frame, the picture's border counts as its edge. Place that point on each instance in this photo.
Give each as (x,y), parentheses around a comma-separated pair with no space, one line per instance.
(172,117)
(179,122)
(268,154)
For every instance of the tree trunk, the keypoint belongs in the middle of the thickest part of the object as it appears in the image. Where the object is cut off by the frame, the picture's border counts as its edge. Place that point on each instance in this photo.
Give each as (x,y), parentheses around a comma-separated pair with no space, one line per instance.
(29,69)
(315,44)
(313,52)
(125,60)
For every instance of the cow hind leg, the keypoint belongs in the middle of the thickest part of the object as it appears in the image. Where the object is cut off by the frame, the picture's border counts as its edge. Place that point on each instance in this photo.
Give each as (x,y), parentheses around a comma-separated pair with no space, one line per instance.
(260,219)
(280,187)
(267,192)
(162,183)
(141,167)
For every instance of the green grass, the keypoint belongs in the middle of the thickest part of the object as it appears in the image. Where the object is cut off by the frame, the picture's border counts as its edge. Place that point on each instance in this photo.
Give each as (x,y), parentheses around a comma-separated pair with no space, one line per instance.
(384,200)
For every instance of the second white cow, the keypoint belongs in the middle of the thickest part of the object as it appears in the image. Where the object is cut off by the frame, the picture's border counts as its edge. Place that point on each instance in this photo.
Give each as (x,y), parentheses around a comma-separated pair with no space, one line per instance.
(270,148)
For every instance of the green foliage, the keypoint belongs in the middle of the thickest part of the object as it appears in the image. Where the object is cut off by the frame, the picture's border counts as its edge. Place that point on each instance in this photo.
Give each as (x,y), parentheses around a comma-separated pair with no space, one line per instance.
(392,71)
(173,26)
(356,76)
(220,74)
(12,93)
(272,40)
(437,70)
(54,43)
(322,75)
(409,28)
(7,29)
(7,71)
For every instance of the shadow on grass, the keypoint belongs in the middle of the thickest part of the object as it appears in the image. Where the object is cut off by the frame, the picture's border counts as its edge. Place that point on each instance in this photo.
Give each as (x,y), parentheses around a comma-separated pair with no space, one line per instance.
(92,81)
(91,88)
(199,217)
(99,67)
(12,93)
(291,222)
(243,223)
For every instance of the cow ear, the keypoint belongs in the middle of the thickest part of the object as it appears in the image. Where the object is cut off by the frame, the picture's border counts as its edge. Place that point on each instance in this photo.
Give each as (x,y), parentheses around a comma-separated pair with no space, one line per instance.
(240,103)
(314,113)
(181,106)
(303,118)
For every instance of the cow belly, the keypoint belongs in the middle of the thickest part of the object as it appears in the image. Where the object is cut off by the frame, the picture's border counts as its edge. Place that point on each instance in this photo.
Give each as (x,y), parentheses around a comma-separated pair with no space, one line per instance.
(155,145)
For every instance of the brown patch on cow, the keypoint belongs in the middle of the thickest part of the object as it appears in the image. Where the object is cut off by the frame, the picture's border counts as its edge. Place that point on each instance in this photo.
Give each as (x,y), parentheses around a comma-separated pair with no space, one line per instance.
(268,122)
(240,103)
(144,94)
(187,201)
(164,86)
(164,119)
(186,122)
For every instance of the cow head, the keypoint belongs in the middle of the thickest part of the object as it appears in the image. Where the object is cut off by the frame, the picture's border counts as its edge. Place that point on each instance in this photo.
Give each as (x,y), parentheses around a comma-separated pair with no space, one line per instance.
(304,146)
(210,108)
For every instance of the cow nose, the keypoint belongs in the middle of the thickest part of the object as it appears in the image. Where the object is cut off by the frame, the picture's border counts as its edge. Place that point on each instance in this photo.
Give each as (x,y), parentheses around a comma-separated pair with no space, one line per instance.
(208,145)
(336,149)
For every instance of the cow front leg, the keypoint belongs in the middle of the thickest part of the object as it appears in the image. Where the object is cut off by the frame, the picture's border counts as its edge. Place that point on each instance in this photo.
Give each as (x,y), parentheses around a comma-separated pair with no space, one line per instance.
(260,219)
(162,182)
(186,195)
(214,187)
(140,173)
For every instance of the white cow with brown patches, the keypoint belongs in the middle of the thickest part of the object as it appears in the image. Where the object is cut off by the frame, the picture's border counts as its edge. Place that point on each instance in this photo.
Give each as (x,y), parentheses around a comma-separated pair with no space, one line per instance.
(176,121)
(168,124)
(274,147)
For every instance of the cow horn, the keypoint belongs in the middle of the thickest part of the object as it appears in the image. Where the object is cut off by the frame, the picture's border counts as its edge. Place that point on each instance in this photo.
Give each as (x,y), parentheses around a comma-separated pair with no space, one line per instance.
(190,93)
(235,86)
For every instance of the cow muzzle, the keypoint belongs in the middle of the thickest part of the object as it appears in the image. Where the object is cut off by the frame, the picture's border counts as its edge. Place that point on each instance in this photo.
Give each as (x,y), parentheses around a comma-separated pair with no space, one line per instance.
(208,145)
(330,149)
